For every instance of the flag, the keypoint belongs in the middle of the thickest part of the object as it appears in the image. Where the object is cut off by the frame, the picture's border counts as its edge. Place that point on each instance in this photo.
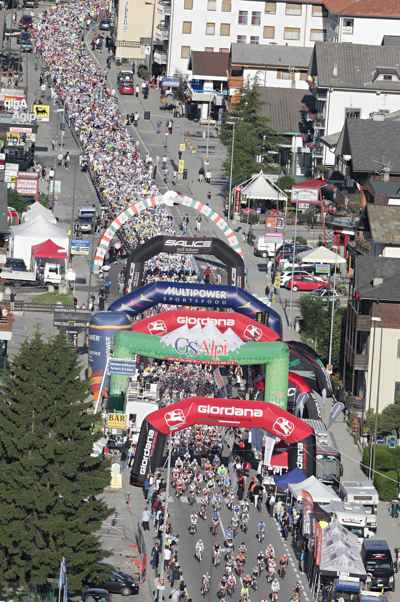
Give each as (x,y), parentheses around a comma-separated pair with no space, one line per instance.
(336,410)
(62,581)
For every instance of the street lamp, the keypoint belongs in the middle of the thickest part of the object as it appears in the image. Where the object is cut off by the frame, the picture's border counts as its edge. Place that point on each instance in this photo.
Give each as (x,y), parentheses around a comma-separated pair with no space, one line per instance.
(372,445)
(293,258)
(164,526)
(154,5)
(332,316)
(233,124)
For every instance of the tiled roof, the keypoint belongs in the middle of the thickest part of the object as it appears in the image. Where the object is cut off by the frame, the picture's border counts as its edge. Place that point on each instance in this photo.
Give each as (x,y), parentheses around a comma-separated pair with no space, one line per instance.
(364,8)
(281,106)
(270,54)
(209,63)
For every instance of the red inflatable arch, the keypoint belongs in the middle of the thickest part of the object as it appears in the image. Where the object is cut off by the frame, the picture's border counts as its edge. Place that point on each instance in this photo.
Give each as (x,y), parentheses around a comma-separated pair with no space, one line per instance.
(231,413)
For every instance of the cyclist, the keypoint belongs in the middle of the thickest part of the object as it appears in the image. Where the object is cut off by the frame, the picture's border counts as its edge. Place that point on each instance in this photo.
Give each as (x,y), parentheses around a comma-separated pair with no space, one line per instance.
(215,522)
(217,553)
(193,523)
(275,589)
(199,549)
(260,531)
(205,584)
(244,593)
(234,524)
(283,564)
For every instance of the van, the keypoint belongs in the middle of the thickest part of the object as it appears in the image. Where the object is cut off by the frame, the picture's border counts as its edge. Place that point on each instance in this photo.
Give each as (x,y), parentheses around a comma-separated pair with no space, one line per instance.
(378,563)
(86,219)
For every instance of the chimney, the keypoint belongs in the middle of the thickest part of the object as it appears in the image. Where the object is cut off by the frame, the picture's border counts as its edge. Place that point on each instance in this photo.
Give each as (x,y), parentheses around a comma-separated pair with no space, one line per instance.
(386,173)
(335,70)
(378,116)
(377,282)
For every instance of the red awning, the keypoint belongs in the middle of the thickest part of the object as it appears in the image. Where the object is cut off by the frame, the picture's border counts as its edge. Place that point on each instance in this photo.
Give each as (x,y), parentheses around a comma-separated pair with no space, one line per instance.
(48,250)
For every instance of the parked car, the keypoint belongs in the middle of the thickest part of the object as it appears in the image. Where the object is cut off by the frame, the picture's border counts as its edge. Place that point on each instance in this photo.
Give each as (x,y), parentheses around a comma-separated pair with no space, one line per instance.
(126,88)
(25,41)
(106,25)
(327,294)
(121,583)
(305,283)
(96,594)
(26,22)
(286,276)
(125,76)
(15,264)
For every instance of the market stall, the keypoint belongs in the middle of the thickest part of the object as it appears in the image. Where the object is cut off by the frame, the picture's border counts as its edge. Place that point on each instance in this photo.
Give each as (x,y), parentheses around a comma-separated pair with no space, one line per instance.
(320,493)
(34,232)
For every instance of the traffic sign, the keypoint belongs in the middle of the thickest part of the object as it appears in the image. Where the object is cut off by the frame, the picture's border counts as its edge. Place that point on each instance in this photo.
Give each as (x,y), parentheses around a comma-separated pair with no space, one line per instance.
(123,367)
(391,441)
(80,247)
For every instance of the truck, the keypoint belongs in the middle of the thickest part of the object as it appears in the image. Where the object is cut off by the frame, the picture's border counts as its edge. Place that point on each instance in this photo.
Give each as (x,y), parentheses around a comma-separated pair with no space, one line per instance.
(266,245)
(51,274)
(378,563)
(86,219)
(136,411)
(362,493)
(352,517)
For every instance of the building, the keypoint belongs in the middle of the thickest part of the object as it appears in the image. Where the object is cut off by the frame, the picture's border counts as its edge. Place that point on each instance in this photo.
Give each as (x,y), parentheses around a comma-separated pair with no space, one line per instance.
(281,107)
(378,232)
(208,82)
(142,31)
(268,66)
(361,21)
(213,25)
(369,149)
(349,81)
(372,334)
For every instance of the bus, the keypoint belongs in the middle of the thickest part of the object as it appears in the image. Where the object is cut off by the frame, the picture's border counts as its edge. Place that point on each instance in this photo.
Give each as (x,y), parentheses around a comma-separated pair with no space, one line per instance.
(329,467)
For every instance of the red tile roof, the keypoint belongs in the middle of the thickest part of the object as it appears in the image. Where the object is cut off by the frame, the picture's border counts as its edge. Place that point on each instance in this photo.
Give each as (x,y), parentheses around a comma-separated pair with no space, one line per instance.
(364,8)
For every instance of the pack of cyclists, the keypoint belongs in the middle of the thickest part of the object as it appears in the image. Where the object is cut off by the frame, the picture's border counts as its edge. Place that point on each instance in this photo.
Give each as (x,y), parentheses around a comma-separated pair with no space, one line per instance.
(210,488)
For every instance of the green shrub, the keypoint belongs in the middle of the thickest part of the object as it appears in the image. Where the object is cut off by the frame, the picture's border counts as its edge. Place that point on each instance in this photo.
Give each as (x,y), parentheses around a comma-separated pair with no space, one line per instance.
(386,488)
(385,459)
(285,183)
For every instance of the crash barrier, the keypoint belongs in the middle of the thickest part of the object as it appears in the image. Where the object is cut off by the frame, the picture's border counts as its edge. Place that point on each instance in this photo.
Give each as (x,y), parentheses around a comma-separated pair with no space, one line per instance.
(183,245)
(170,198)
(273,356)
(229,413)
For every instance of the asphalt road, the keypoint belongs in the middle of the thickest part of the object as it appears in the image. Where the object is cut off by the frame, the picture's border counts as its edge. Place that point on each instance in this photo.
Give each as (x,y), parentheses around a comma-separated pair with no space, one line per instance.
(193,570)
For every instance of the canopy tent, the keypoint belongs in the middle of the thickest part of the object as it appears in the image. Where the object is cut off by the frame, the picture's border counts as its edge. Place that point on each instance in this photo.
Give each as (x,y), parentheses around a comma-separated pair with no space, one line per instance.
(340,552)
(321,255)
(37,209)
(25,236)
(293,476)
(319,492)
(48,250)
(260,188)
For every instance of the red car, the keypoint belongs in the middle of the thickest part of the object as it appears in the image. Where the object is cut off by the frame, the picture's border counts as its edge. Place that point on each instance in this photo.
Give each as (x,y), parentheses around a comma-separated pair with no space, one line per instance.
(305,283)
(126,88)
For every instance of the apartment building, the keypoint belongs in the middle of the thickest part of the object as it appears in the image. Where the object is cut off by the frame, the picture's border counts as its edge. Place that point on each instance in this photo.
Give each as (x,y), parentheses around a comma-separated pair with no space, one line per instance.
(213,25)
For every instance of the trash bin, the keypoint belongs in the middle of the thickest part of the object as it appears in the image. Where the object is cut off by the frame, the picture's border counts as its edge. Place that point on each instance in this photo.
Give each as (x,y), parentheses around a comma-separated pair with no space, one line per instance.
(185,174)
(146,115)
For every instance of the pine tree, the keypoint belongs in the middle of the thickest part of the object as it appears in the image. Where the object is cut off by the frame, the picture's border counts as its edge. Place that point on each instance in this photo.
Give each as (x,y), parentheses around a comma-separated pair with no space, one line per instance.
(49,483)
(253,137)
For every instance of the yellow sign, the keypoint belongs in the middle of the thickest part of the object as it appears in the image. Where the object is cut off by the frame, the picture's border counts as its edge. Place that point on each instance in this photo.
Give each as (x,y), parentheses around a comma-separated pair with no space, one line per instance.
(181,165)
(182,147)
(41,112)
(117,421)
(13,137)
(277,281)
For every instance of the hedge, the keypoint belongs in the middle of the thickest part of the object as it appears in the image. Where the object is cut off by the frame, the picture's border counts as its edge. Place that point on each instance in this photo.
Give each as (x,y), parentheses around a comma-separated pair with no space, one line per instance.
(387,489)
(386,460)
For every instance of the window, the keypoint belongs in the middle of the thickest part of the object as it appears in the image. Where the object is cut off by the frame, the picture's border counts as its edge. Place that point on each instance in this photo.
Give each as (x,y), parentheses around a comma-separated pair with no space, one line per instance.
(224,29)
(210,29)
(185,52)
(242,20)
(317,11)
(303,77)
(254,40)
(282,74)
(208,49)
(396,392)
(352,113)
(317,35)
(293,9)
(269,32)
(187,27)
(211,4)
(188,4)
(270,8)
(348,26)
(398,349)
(226,6)
(224,50)
(241,39)
(291,33)
(255,18)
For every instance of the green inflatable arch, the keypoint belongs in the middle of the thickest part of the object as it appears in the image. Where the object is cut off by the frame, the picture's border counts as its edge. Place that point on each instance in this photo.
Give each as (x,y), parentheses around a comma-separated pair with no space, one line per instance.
(274,356)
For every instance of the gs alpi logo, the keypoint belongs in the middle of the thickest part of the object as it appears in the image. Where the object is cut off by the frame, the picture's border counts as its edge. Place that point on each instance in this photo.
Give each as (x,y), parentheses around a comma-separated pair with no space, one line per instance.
(186,346)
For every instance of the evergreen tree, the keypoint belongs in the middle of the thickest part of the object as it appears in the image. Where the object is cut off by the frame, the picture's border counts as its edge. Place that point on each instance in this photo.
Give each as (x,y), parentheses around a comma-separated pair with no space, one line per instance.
(253,137)
(49,483)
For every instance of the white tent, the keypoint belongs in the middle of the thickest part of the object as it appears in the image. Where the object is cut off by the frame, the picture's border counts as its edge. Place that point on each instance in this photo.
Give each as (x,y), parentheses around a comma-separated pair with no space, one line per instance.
(321,255)
(35,210)
(31,233)
(260,188)
(319,492)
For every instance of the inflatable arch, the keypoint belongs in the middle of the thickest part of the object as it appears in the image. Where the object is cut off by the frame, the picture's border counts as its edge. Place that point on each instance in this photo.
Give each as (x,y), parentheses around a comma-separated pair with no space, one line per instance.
(199,295)
(183,245)
(169,198)
(274,356)
(229,413)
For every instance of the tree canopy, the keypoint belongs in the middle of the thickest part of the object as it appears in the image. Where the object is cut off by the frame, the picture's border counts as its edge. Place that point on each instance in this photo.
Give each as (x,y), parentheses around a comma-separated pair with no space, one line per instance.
(49,483)
(316,326)
(253,137)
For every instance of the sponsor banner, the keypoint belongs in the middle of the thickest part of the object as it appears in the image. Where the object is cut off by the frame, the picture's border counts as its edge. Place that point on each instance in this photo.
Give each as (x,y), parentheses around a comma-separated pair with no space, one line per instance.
(27,184)
(123,367)
(182,323)
(308,508)
(41,112)
(80,247)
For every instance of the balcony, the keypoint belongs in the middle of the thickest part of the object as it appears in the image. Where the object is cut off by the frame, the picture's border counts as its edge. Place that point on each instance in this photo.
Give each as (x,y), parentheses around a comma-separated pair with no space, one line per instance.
(360,361)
